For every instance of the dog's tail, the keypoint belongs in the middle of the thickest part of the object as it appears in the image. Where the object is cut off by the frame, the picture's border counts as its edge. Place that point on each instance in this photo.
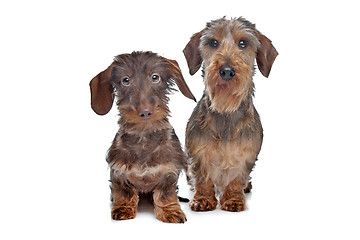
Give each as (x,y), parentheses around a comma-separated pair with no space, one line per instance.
(148,197)
(248,188)
(181,199)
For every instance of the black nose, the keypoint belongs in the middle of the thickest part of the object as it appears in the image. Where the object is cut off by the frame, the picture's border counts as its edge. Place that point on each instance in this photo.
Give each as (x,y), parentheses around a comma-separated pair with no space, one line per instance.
(226,72)
(145,113)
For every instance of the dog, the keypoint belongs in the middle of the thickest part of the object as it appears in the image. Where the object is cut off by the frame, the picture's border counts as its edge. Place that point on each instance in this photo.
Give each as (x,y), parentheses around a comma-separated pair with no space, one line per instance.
(224,133)
(146,156)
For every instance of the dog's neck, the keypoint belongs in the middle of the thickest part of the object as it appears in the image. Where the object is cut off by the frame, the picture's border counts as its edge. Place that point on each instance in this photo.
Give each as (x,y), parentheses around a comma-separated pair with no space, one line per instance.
(244,106)
(227,124)
(145,128)
(133,137)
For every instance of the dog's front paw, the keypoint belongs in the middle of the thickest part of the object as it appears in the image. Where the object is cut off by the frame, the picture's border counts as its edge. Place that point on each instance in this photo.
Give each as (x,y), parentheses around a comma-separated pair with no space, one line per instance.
(123,213)
(171,216)
(234,205)
(203,204)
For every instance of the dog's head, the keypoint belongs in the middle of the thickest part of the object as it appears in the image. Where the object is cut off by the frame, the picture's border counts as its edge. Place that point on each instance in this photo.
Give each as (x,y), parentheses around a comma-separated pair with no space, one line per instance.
(228,49)
(141,82)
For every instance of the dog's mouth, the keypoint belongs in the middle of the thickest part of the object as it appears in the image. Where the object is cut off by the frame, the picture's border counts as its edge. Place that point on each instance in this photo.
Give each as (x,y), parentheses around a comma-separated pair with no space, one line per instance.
(222,85)
(226,95)
(216,83)
(150,119)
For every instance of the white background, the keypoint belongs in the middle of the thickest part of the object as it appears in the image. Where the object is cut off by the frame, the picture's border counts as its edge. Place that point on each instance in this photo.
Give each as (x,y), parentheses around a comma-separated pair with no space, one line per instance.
(53,174)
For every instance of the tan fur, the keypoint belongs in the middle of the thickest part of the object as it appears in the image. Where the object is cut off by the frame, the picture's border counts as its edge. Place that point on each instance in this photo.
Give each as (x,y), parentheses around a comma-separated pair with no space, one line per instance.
(233,198)
(167,208)
(124,206)
(204,198)
(223,162)
(224,133)
(227,96)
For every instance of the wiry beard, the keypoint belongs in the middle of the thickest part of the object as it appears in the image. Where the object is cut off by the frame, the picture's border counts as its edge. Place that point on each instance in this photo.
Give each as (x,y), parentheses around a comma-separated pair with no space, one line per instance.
(227,96)
(131,123)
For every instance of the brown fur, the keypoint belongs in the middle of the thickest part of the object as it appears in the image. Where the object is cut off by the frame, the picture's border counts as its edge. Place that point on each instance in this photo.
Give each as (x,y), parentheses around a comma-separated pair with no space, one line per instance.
(224,133)
(145,156)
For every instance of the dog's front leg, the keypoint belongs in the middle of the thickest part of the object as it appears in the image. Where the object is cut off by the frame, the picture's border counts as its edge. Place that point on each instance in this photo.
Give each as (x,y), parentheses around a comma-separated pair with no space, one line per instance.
(125,200)
(167,207)
(233,197)
(204,198)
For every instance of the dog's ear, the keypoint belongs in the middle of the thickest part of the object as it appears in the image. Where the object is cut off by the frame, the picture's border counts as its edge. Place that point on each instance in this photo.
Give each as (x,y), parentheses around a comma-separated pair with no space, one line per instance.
(192,53)
(102,92)
(176,74)
(266,55)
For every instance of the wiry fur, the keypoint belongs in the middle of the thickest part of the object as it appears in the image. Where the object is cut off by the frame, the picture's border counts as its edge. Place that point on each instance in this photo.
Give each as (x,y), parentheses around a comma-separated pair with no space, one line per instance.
(145,156)
(224,133)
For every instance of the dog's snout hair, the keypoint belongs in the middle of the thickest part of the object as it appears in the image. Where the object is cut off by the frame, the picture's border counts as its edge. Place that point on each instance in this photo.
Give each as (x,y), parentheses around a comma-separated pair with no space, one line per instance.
(146,156)
(224,133)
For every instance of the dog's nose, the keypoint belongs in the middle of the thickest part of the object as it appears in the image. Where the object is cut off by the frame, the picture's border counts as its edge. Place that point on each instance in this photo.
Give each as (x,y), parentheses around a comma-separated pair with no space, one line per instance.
(146,113)
(226,72)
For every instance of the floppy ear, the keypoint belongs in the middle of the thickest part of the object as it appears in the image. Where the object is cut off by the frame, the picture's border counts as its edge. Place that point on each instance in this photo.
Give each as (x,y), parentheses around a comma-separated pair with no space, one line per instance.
(192,53)
(102,93)
(175,72)
(266,55)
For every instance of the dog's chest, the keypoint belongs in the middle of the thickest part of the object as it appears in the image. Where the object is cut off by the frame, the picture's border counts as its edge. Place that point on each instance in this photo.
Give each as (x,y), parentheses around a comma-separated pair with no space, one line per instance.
(224,146)
(145,178)
(144,150)
(224,161)
(145,164)
(144,160)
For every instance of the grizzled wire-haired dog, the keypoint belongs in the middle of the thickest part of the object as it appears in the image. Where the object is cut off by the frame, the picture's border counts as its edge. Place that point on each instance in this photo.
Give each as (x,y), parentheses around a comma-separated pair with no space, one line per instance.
(145,156)
(224,133)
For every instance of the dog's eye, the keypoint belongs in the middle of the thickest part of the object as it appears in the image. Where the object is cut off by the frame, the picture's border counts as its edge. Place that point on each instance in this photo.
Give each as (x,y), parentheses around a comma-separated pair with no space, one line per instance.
(243,44)
(125,81)
(155,78)
(213,43)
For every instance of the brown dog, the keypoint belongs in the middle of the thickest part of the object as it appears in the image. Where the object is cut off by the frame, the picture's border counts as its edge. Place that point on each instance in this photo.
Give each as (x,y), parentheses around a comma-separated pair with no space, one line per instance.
(145,156)
(224,133)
